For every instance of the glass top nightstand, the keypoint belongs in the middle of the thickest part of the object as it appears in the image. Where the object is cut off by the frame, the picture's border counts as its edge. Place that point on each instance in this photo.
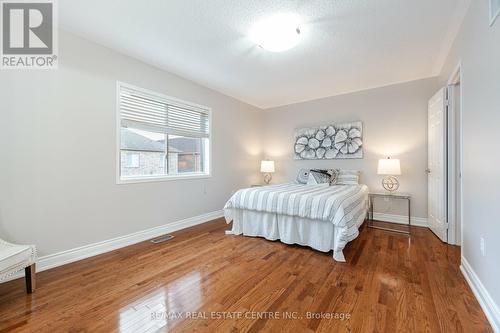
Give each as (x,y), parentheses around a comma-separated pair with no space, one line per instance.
(396,195)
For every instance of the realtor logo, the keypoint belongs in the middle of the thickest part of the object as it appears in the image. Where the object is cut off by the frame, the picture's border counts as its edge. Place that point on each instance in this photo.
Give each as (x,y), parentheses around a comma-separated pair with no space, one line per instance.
(29,34)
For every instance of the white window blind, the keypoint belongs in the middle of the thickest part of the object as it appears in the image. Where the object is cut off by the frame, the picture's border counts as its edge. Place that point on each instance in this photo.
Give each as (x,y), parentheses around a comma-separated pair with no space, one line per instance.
(159,113)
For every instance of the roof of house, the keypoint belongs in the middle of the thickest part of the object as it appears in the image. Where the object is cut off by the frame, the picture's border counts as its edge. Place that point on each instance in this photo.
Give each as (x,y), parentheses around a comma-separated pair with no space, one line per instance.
(185,145)
(133,141)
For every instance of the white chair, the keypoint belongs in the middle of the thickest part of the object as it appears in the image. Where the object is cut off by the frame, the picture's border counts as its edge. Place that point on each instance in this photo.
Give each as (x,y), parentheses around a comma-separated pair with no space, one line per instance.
(13,258)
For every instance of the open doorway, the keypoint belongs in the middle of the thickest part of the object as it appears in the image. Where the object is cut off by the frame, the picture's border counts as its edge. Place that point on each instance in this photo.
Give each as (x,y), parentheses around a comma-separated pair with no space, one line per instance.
(454,157)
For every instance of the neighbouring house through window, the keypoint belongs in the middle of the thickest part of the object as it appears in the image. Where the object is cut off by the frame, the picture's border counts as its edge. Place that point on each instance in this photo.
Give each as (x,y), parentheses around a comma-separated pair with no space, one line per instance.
(161,137)
(131,159)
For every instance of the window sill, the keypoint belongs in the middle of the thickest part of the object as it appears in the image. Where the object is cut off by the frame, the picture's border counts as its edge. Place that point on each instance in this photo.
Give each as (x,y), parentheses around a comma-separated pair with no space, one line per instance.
(132,180)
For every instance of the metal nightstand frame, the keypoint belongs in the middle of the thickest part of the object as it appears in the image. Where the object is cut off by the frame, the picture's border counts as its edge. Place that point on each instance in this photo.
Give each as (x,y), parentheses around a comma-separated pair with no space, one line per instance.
(371,196)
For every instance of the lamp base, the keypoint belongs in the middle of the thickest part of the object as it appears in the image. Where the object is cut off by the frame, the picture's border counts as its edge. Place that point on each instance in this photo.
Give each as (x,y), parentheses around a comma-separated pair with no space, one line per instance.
(267,178)
(390,183)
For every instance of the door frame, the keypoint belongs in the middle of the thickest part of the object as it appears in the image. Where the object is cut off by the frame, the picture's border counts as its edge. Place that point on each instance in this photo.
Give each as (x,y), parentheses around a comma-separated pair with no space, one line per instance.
(456,188)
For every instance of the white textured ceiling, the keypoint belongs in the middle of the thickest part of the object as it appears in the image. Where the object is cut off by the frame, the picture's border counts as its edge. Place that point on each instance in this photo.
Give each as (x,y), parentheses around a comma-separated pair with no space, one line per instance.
(347,45)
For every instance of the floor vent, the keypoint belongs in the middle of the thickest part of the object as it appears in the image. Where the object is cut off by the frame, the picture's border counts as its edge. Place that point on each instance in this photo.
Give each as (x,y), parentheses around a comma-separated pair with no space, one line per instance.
(162,239)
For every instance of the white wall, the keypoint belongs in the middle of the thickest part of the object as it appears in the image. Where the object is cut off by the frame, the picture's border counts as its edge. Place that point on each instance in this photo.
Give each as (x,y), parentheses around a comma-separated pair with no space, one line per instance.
(394,124)
(477,46)
(57,145)
(57,151)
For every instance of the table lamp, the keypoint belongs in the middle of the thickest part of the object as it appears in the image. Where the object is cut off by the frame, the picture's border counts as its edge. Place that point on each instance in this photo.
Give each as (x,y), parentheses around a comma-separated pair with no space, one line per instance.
(391,168)
(267,167)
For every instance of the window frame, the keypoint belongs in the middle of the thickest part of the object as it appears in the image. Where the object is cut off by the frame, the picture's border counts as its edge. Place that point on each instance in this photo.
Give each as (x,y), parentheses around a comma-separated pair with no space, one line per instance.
(158,178)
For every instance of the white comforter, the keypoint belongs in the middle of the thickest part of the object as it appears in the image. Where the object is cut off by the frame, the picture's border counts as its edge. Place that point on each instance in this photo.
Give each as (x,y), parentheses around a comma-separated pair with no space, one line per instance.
(342,205)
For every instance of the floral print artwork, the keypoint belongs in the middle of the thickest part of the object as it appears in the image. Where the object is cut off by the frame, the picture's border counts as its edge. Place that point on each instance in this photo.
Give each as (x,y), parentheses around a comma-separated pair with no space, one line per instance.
(329,142)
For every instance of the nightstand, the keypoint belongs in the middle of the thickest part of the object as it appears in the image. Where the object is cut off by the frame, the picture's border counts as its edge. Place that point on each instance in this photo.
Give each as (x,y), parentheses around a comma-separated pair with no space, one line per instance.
(399,196)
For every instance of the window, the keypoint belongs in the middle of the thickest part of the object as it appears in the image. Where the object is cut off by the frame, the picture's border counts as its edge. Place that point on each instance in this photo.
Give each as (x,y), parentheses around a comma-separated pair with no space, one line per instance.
(160,137)
(494,10)
(131,160)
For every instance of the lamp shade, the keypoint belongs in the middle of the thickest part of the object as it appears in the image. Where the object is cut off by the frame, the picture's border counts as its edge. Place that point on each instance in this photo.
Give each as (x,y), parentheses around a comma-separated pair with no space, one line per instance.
(267,166)
(389,166)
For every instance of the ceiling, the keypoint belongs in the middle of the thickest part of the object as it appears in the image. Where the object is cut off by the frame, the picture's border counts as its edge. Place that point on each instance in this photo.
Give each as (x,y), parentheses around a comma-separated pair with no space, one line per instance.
(346,45)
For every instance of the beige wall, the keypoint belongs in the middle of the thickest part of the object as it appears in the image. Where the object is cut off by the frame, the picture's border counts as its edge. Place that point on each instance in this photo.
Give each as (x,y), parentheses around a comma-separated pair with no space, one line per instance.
(394,124)
(57,151)
(477,46)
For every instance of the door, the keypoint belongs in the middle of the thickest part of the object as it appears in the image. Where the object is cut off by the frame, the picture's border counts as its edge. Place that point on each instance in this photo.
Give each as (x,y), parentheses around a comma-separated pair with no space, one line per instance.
(436,168)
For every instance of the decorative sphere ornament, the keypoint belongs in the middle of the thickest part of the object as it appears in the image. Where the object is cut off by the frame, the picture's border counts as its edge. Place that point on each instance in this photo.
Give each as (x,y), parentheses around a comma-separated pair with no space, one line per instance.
(267,178)
(390,183)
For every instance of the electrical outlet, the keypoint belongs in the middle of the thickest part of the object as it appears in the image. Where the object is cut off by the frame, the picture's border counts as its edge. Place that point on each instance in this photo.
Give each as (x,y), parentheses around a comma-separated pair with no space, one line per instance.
(386,199)
(482,247)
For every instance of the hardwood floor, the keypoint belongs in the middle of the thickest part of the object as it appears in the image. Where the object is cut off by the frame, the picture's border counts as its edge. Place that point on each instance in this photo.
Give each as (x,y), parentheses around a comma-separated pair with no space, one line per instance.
(206,281)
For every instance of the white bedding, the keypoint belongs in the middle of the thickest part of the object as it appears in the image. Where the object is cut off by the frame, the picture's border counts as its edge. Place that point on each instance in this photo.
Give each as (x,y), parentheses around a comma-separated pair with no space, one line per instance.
(291,206)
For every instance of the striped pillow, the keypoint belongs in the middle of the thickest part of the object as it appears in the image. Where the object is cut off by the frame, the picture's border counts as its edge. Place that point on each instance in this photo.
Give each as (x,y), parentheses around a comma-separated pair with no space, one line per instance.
(348,177)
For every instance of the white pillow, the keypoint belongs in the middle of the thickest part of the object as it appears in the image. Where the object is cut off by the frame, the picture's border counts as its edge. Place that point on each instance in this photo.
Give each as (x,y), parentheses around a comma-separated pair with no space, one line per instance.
(315,184)
(348,177)
(302,176)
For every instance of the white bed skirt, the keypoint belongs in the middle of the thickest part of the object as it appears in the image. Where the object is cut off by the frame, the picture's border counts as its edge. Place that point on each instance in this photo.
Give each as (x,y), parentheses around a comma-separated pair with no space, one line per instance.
(320,235)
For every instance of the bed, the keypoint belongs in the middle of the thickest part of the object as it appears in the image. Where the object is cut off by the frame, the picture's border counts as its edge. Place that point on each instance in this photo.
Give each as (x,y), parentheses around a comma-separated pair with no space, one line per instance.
(322,217)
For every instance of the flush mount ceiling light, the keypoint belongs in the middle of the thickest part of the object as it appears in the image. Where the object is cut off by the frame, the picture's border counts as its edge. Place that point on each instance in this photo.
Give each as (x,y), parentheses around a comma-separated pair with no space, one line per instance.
(277,33)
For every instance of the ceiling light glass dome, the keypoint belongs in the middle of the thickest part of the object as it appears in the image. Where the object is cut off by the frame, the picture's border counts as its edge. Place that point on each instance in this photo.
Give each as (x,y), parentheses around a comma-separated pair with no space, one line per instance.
(277,33)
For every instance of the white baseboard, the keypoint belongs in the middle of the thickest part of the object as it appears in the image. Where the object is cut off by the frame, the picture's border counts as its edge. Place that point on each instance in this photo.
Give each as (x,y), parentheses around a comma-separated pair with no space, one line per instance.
(483,297)
(65,257)
(401,219)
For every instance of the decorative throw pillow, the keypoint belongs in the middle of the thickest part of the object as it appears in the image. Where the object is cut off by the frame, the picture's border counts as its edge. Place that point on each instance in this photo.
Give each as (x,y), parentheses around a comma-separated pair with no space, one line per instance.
(303,176)
(348,177)
(334,176)
(317,177)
